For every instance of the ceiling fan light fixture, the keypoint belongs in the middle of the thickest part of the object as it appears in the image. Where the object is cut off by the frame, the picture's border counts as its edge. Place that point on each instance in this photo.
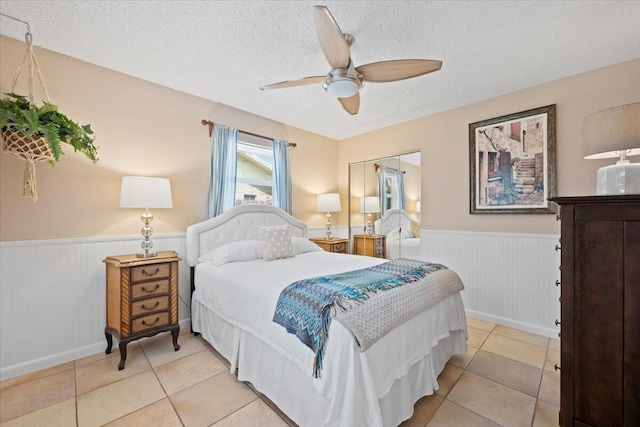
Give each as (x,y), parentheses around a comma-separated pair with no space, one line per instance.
(343,88)
(342,82)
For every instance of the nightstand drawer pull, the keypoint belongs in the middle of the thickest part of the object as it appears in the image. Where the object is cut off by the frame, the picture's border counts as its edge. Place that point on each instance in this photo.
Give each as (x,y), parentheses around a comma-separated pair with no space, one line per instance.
(144,289)
(558,247)
(556,367)
(558,282)
(147,289)
(151,274)
(144,322)
(557,323)
(142,273)
(144,307)
(150,321)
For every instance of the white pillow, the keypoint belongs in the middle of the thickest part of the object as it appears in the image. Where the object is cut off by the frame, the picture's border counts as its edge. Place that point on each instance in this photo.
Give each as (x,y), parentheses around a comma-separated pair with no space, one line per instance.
(276,242)
(302,245)
(407,233)
(243,250)
(393,235)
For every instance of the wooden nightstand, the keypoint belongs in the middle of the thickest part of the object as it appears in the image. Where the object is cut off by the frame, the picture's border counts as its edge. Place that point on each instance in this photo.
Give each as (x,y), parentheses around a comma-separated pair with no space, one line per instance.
(334,244)
(370,244)
(142,299)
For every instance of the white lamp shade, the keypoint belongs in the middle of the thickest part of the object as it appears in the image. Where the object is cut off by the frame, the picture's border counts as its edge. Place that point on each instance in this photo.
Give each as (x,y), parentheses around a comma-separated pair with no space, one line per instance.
(329,202)
(369,204)
(610,131)
(418,206)
(145,192)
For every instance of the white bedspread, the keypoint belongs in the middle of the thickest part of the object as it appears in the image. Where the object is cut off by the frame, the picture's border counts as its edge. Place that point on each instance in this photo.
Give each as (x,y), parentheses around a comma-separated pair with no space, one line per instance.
(245,294)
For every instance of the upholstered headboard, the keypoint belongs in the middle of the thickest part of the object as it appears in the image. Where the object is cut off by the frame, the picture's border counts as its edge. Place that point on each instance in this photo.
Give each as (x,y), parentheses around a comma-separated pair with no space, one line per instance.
(238,223)
(393,219)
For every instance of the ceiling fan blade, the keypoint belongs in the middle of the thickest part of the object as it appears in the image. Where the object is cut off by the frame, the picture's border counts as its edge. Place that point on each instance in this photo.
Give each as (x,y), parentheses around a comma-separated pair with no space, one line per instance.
(400,69)
(351,104)
(332,40)
(294,83)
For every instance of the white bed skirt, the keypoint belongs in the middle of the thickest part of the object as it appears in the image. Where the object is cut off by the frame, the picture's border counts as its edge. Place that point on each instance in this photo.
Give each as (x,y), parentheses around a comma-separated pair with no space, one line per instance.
(292,389)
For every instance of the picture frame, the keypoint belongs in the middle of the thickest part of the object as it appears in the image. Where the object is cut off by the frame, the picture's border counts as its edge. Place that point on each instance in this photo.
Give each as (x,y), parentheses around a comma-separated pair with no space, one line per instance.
(512,163)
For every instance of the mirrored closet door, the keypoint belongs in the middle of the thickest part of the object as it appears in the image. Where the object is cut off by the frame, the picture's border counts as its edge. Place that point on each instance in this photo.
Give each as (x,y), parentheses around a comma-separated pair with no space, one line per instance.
(384,206)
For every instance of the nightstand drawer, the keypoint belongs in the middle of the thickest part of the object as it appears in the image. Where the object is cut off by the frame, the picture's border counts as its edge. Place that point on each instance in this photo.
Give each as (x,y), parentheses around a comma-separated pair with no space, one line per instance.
(148,305)
(147,289)
(340,247)
(153,271)
(151,321)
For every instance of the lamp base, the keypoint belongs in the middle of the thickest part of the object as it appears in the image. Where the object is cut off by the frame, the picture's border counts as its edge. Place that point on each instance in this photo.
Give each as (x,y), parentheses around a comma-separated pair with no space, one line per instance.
(621,178)
(146,255)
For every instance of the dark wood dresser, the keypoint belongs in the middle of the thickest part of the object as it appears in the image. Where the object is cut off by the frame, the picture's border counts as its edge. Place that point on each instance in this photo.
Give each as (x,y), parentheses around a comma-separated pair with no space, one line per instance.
(600,308)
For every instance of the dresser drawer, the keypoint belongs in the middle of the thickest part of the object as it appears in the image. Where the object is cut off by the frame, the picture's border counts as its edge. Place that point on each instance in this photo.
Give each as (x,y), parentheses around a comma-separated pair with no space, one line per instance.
(340,247)
(149,305)
(146,272)
(148,289)
(154,321)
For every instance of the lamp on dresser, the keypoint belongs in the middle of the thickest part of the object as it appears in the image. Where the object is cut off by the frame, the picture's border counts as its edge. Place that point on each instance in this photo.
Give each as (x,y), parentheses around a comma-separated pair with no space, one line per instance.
(369,205)
(145,192)
(614,133)
(328,203)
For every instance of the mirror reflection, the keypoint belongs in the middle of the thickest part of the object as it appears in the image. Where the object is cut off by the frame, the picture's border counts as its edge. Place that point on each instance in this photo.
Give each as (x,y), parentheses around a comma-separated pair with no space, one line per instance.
(384,207)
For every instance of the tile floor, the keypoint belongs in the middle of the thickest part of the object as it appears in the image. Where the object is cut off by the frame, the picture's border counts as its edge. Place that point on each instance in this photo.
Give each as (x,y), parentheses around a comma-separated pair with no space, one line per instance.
(505,379)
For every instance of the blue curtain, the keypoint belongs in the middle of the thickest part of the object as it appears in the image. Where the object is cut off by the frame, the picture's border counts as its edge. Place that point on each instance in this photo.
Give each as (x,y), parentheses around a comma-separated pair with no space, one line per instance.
(282,175)
(400,181)
(222,182)
(382,191)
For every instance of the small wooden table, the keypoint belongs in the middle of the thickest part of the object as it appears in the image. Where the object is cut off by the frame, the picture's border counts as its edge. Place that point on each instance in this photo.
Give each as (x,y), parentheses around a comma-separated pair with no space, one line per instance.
(142,299)
(335,244)
(370,244)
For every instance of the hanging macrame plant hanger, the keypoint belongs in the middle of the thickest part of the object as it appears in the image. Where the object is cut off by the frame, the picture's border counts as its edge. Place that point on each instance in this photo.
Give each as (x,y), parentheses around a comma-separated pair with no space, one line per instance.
(31,148)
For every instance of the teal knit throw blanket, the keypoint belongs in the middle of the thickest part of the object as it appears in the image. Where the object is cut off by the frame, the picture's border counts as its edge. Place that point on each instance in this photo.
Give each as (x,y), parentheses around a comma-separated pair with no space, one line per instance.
(305,308)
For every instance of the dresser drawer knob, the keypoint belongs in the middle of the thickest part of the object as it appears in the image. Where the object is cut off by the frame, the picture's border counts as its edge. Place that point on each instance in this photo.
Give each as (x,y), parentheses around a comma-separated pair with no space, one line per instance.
(144,322)
(557,323)
(557,217)
(556,367)
(151,274)
(144,307)
(558,247)
(149,291)
(558,282)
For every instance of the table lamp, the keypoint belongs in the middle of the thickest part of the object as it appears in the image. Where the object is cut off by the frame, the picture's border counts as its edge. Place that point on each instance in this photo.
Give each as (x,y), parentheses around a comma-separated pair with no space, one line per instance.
(145,192)
(369,205)
(614,133)
(328,203)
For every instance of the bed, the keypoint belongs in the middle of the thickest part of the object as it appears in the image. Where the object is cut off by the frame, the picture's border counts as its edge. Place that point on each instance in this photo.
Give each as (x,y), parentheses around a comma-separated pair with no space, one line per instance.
(401,240)
(233,304)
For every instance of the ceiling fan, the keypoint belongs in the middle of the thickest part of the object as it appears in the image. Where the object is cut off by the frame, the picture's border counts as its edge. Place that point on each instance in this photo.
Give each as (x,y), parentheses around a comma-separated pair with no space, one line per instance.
(345,80)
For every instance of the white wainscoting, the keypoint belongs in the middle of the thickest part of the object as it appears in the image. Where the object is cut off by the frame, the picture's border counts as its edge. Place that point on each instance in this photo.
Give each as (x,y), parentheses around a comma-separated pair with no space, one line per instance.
(509,278)
(52,298)
(52,292)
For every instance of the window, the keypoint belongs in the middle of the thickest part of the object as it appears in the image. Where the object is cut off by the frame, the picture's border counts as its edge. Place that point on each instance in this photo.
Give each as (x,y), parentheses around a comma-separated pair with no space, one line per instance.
(391,190)
(254,174)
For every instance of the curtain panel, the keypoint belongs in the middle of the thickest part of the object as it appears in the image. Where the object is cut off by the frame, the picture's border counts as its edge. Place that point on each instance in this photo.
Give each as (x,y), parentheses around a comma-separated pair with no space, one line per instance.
(222,175)
(282,175)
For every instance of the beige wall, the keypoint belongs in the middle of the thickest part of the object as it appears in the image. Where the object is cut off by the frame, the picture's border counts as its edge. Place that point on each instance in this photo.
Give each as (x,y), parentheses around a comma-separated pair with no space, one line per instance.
(142,129)
(444,144)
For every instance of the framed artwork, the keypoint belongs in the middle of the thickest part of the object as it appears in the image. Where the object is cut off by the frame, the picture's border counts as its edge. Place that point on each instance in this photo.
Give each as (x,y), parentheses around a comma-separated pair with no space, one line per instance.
(512,163)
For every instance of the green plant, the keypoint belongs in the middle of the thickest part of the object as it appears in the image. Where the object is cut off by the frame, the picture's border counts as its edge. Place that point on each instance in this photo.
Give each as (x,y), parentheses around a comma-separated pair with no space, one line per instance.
(46,121)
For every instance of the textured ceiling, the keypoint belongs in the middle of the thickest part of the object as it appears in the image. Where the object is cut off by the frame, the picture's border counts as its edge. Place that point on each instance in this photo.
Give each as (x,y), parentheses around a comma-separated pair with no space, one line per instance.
(225,50)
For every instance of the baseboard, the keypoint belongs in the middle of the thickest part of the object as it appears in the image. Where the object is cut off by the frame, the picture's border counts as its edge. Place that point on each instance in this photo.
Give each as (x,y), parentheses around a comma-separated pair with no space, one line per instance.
(60,358)
(527,327)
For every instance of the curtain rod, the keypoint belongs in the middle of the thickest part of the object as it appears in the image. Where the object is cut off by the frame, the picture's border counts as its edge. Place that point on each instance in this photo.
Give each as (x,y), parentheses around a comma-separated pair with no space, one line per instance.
(377,166)
(209,123)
